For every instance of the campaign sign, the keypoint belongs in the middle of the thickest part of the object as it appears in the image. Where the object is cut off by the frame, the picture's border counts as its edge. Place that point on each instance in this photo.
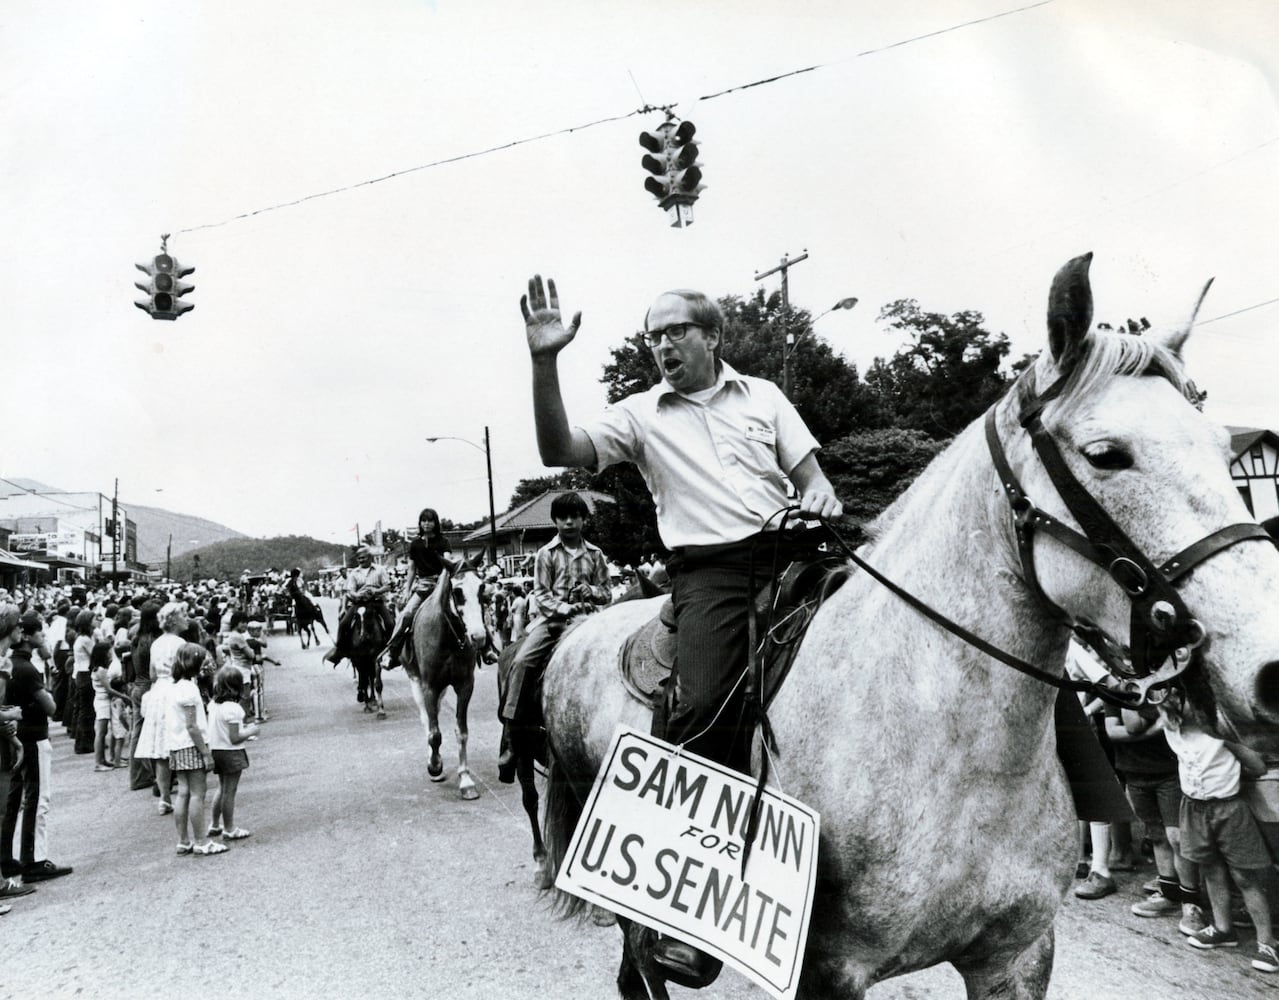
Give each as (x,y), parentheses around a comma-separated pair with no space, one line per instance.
(661,841)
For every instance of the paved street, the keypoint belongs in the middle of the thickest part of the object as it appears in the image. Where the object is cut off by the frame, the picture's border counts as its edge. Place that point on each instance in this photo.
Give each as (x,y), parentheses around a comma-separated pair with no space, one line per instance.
(363,879)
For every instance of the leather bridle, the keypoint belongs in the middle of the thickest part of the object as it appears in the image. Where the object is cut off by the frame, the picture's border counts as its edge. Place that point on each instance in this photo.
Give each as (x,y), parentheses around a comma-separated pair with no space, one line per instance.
(453,617)
(1163,635)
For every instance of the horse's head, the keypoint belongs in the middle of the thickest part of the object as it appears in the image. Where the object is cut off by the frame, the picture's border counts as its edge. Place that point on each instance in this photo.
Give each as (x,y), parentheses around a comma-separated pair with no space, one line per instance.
(461,593)
(1172,564)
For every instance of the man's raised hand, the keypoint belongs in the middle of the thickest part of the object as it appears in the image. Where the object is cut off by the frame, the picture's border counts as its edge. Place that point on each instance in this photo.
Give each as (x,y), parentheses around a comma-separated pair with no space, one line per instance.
(542,323)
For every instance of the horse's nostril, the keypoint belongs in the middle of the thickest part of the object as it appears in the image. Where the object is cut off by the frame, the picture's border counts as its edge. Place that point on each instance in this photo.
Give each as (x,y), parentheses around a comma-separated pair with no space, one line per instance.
(1266,689)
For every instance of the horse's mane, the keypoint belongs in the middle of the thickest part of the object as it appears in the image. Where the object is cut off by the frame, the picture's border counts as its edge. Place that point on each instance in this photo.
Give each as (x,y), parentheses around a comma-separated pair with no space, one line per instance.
(1105,355)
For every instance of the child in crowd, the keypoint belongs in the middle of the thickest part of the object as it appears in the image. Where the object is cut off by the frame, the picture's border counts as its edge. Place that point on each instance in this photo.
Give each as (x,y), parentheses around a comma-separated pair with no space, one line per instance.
(257,696)
(100,663)
(1148,769)
(1218,830)
(122,708)
(227,735)
(189,754)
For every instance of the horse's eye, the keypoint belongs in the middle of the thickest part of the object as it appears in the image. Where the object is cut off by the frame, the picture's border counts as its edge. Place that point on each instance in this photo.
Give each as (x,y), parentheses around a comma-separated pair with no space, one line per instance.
(1109,458)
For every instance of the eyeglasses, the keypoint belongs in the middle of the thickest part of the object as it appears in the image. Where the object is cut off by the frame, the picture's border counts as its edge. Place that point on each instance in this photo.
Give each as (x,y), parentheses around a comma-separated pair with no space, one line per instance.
(674,333)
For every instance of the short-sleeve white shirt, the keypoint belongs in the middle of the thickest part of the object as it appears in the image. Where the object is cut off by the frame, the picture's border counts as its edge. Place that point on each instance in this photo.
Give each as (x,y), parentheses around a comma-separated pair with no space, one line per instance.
(716,468)
(1205,765)
(182,696)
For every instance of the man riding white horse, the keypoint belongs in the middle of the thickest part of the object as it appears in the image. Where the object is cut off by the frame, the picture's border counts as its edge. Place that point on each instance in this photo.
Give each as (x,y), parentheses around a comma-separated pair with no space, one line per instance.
(716,449)
(367,584)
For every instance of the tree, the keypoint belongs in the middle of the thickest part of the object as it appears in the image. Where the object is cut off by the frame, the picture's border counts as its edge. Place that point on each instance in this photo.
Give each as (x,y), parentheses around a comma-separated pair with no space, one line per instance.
(225,560)
(392,538)
(869,470)
(948,374)
(565,479)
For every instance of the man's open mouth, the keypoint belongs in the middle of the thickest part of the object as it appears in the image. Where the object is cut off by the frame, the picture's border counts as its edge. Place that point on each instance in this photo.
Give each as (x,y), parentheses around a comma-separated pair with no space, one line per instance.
(670,365)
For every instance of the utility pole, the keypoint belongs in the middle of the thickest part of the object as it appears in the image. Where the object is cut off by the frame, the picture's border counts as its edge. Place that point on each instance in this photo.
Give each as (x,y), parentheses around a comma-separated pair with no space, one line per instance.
(115,530)
(488,461)
(168,559)
(784,266)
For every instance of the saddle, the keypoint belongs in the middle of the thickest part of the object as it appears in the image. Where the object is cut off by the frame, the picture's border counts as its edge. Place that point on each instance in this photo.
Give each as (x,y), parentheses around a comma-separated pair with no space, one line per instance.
(648,654)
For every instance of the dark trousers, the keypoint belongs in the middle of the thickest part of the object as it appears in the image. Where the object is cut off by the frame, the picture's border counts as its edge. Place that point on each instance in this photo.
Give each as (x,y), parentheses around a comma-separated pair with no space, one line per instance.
(24,798)
(518,703)
(7,781)
(61,684)
(712,592)
(141,769)
(84,719)
(711,597)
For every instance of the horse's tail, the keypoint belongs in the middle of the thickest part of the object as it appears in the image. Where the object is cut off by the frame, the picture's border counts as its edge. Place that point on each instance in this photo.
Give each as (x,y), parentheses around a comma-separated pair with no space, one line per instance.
(563,809)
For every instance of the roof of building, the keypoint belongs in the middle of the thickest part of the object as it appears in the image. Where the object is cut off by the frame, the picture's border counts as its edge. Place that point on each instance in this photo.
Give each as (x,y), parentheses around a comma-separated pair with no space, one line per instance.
(7,559)
(535,513)
(1243,438)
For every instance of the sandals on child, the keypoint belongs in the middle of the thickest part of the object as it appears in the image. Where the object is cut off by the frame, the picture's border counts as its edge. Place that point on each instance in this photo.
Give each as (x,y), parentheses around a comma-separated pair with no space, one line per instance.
(239,833)
(212,847)
(185,848)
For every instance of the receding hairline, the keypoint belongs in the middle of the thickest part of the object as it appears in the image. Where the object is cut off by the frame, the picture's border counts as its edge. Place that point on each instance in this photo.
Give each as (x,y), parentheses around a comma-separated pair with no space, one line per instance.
(700,302)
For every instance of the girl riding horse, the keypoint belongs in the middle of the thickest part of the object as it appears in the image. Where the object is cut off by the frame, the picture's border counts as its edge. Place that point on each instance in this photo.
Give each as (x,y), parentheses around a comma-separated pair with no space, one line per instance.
(428,557)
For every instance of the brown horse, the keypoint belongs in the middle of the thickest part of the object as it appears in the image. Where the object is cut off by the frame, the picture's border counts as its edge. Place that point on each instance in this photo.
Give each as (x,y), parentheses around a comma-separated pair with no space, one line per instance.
(368,636)
(946,823)
(449,631)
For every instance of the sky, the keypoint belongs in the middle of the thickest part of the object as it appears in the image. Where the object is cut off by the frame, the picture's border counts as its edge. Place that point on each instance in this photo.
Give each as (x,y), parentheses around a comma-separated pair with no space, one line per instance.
(936,151)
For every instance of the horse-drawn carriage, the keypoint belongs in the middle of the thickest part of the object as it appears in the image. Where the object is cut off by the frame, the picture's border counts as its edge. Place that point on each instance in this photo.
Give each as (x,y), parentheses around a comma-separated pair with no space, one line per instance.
(266,600)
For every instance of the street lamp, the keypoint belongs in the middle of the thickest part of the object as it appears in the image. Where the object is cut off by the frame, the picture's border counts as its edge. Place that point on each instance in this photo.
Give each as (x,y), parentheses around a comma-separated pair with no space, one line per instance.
(789,347)
(488,461)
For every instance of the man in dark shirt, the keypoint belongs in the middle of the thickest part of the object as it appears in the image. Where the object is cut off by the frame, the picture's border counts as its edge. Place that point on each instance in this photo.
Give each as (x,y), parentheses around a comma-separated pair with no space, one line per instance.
(29,792)
(10,748)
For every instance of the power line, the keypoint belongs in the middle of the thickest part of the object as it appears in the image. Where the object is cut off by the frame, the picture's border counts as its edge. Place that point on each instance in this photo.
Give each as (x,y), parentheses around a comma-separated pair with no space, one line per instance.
(647,109)
(1236,312)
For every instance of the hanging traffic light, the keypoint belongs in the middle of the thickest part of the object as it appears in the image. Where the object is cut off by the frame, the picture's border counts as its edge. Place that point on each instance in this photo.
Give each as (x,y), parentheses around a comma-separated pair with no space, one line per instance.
(677,177)
(687,175)
(164,286)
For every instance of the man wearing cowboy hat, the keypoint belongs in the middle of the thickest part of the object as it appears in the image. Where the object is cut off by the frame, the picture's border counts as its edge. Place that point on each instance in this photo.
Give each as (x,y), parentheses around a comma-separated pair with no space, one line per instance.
(366,584)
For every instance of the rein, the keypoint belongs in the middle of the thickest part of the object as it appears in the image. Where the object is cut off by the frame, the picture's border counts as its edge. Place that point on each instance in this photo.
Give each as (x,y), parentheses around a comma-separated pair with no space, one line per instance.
(1164,638)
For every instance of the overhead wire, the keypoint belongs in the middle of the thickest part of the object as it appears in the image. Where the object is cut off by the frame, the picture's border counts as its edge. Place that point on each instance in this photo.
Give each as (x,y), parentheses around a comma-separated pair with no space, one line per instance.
(646,109)
(649,109)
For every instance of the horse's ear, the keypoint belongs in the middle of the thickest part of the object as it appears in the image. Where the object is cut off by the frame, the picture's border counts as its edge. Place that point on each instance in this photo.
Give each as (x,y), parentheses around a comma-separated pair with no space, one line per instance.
(475,561)
(1175,338)
(1069,311)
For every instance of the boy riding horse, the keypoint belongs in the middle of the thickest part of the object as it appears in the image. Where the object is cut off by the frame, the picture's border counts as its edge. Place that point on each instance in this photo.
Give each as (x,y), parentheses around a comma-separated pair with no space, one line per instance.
(715,449)
(570,578)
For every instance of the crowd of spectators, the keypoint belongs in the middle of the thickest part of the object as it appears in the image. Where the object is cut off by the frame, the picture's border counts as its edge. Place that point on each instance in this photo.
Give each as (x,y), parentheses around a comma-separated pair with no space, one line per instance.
(111,669)
(1211,844)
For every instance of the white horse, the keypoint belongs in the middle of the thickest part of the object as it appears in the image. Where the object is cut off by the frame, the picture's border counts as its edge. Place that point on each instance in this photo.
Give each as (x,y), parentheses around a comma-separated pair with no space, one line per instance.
(946,823)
